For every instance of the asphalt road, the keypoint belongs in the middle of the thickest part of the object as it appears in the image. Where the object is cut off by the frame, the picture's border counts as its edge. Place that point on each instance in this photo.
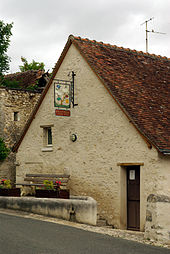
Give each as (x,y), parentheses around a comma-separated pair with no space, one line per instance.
(29,236)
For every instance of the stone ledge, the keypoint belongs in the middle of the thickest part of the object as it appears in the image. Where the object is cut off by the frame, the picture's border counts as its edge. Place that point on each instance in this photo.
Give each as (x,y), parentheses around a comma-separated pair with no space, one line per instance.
(78,209)
(46,149)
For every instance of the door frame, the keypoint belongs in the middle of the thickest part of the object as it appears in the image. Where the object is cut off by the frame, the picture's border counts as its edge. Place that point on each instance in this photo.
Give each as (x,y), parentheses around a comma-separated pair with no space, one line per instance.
(123,193)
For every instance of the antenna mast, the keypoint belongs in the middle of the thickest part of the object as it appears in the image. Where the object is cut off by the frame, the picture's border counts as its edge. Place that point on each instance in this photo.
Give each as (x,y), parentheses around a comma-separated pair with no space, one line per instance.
(147,31)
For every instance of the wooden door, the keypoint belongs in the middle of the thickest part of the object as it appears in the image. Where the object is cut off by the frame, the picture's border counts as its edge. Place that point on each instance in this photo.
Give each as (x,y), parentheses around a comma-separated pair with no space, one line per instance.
(133,197)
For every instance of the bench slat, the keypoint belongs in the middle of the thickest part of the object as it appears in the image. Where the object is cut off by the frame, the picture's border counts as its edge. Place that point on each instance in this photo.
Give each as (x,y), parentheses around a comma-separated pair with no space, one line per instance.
(48,175)
(36,180)
(30,184)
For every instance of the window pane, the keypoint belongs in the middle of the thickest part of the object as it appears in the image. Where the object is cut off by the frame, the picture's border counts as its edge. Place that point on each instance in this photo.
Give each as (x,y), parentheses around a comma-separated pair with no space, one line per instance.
(15,116)
(49,136)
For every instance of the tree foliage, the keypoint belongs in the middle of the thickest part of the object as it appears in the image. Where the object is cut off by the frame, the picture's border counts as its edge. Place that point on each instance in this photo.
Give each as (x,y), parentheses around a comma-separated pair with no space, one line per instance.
(31,66)
(5,33)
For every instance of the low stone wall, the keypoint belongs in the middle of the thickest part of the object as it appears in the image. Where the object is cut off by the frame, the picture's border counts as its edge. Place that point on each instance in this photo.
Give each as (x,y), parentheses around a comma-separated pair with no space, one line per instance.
(157,226)
(78,209)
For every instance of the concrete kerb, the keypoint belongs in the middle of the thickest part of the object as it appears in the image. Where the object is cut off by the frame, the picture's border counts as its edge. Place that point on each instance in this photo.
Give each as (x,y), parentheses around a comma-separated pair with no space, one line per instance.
(77,208)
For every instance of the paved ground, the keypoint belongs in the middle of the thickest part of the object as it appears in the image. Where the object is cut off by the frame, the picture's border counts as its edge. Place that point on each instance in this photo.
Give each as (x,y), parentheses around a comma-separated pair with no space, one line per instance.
(19,234)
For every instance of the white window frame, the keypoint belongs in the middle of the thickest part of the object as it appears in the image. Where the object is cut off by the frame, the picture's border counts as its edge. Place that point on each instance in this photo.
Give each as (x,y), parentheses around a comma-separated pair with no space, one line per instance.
(47,147)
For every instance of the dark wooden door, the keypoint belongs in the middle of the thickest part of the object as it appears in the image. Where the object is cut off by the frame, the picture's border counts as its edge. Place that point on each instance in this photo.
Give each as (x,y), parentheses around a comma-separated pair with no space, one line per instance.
(133,197)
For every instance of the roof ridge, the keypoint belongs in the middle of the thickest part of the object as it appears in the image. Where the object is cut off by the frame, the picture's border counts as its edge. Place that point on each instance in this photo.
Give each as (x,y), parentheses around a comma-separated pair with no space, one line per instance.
(133,51)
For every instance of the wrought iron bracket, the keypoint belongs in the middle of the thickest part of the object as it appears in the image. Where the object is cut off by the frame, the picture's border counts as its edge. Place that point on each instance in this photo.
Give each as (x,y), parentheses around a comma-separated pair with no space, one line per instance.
(72,89)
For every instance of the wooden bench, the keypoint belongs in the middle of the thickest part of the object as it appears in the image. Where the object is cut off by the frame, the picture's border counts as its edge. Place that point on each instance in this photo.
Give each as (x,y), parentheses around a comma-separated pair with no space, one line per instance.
(38,180)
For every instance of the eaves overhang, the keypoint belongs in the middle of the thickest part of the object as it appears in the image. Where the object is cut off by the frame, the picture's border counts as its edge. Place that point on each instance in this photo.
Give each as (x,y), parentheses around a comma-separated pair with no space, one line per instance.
(165,151)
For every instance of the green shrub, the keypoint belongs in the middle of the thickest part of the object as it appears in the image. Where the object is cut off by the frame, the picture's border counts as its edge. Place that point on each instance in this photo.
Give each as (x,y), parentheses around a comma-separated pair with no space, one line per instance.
(9,83)
(4,151)
(5,184)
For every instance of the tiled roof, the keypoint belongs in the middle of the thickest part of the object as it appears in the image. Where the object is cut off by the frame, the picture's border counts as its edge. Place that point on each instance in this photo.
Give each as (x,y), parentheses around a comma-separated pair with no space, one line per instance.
(139,82)
(25,79)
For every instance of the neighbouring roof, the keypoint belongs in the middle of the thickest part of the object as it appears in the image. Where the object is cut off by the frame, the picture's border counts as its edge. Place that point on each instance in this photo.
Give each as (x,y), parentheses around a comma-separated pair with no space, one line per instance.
(139,82)
(26,78)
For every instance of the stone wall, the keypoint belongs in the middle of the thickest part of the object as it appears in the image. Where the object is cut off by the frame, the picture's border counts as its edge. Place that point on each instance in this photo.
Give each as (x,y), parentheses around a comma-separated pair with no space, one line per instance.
(15,108)
(157,226)
(78,209)
(8,168)
(14,101)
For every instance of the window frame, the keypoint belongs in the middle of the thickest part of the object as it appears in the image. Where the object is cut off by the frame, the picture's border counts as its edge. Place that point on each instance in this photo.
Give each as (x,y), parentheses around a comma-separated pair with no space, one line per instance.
(47,138)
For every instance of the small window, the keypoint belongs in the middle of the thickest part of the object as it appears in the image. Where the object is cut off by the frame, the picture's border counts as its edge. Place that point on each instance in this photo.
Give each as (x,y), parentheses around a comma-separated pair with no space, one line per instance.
(16,116)
(49,136)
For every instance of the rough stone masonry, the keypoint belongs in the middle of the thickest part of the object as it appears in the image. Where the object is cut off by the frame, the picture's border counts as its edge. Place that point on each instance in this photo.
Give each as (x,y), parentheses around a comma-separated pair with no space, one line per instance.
(15,107)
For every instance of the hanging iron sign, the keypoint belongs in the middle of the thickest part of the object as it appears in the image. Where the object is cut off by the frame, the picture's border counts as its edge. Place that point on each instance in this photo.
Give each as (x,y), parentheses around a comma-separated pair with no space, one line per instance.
(62,94)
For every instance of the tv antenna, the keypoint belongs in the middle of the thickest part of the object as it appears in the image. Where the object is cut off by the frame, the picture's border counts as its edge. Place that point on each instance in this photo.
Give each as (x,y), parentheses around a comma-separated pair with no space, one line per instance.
(147,31)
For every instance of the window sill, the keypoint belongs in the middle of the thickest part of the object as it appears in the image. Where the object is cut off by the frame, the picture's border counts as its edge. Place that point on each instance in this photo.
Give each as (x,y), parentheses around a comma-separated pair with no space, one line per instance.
(47,149)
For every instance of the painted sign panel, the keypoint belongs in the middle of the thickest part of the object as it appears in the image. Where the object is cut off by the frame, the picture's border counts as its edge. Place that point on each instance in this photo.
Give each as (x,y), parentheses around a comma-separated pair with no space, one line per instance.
(61,112)
(62,94)
(132,175)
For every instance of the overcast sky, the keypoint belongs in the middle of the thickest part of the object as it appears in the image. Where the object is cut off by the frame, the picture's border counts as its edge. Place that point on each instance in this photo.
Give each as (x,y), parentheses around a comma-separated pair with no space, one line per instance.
(41,28)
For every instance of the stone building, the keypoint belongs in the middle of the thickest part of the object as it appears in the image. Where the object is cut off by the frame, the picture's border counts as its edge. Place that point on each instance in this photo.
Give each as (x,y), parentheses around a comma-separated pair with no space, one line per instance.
(15,108)
(114,139)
